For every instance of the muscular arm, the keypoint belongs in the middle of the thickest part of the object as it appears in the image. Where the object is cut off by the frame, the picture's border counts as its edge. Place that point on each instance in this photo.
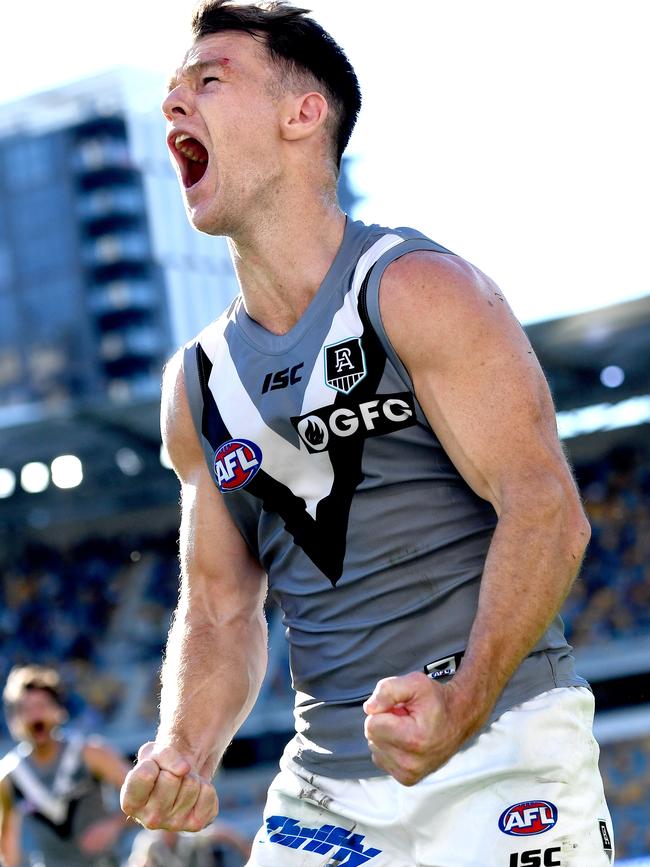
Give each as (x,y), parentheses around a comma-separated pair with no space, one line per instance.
(216,649)
(9,831)
(485,396)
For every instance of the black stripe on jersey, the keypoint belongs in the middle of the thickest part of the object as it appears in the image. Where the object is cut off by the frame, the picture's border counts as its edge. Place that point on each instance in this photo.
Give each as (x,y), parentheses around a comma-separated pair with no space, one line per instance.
(64,830)
(324,539)
(212,424)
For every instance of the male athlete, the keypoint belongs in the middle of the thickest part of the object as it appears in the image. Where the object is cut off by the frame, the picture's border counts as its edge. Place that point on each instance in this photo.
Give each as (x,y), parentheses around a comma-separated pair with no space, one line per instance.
(218,845)
(367,429)
(50,785)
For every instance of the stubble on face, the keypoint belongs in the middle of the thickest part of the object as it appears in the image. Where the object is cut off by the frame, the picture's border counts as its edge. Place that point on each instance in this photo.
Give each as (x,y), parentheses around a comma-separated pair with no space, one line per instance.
(238,118)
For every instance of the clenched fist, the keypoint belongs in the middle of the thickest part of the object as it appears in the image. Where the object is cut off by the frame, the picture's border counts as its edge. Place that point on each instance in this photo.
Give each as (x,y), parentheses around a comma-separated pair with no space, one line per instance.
(413,726)
(162,791)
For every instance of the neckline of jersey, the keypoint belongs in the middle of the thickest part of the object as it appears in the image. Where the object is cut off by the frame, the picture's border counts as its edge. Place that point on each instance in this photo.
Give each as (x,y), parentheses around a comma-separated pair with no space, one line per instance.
(344,261)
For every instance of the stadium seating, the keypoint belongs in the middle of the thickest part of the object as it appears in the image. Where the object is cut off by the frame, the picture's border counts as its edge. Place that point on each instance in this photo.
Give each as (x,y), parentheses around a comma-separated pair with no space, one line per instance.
(625,766)
(611,600)
(100,612)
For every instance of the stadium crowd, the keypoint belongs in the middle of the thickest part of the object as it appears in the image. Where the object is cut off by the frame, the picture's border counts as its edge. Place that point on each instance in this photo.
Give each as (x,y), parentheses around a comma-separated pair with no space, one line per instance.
(612,598)
(70,609)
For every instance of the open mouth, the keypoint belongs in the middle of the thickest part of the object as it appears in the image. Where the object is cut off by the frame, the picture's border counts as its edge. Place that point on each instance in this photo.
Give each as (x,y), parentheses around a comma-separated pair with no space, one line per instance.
(192,158)
(38,727)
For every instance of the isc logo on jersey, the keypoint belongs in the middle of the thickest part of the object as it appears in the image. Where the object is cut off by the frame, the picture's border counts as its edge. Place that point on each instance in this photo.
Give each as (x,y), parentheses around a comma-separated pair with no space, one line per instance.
(385,414)
(235,464)
(528,818)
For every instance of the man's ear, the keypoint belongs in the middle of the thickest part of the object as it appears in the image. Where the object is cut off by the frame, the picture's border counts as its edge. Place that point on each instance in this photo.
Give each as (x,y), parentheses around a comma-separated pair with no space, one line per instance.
(304,115)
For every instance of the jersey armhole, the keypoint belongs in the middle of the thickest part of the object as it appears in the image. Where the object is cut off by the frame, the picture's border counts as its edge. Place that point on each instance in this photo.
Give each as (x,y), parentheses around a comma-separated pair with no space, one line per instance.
(371,300)
(195,388)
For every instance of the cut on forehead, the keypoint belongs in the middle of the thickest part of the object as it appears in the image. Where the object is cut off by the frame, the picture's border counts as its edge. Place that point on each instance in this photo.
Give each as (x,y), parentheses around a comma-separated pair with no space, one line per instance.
(227,50)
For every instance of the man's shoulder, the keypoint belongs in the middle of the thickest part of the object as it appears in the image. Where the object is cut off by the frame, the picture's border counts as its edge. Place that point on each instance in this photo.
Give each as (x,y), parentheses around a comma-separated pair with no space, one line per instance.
(427,274)
(375,231)
(8,763)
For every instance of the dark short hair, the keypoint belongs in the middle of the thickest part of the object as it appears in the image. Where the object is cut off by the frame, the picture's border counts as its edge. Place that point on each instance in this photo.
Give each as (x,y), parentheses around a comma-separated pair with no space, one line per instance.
(27,678)
(296,44)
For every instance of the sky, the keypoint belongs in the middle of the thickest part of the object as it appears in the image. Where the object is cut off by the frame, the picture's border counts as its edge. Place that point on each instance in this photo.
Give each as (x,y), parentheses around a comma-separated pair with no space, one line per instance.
(514,132)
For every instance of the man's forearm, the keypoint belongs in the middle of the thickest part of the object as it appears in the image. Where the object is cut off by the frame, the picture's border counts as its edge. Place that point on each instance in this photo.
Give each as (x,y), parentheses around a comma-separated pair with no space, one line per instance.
(210,679)
(533,559)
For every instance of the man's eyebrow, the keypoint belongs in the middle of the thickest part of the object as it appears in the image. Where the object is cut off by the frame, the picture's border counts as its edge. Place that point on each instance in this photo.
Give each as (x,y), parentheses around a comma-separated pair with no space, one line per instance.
(195,68)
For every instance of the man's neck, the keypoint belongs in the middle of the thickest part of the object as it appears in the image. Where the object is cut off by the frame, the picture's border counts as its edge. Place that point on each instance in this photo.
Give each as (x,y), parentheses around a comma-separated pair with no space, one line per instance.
(281,265)
(45,752)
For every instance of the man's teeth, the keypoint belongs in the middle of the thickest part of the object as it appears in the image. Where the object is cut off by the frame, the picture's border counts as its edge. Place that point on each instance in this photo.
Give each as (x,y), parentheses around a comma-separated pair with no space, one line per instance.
(188,150)
(192,155)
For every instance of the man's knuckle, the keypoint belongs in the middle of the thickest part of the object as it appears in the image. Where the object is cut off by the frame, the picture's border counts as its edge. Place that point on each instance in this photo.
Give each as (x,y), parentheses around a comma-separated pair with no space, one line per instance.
(151,818)
(415,747)
(174,823)
(197,823)
(146,773)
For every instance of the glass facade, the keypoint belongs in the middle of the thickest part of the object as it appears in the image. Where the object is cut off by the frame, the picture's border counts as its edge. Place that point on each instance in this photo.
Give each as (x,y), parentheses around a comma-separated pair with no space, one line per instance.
(40,289)
(101,275)
(81,300)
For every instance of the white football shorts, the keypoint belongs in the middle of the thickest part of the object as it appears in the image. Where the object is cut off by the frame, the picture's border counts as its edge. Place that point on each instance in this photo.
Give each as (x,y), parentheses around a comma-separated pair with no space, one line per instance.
(525,793)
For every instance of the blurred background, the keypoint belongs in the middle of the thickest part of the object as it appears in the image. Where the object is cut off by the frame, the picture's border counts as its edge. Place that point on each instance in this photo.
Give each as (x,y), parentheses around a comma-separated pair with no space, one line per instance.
(517,134)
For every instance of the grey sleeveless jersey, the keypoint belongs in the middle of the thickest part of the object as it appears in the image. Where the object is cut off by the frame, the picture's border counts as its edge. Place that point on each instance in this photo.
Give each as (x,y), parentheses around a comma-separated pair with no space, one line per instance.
(373,543)
(57,802)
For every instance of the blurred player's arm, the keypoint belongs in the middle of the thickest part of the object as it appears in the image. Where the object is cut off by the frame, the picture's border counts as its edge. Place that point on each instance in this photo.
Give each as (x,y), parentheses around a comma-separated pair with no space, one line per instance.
(484,394)
(9,828)
(222,833)
(109,767)
(217,646)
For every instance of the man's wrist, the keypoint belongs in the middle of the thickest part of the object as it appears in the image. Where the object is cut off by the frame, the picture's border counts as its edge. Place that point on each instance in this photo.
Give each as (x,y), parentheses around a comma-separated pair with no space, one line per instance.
(203,761)
(470,702)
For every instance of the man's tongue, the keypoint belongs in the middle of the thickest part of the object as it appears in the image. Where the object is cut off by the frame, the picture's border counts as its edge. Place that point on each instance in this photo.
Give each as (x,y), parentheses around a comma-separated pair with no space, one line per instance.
(195,172)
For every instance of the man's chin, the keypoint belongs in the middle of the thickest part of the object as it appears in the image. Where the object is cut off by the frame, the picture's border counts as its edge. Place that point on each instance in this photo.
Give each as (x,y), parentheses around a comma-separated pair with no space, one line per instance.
(205,223)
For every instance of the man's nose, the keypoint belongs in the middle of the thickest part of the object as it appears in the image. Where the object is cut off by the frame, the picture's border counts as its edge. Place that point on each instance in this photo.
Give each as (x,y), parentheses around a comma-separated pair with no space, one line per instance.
(178,102)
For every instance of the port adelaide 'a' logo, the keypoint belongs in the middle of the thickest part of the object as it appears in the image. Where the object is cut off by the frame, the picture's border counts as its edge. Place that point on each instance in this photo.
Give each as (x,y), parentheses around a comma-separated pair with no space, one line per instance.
(345,364)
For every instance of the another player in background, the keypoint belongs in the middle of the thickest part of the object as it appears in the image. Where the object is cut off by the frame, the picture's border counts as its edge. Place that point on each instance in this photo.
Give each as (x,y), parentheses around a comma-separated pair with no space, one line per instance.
(218,845)
(367,426)
(50,784)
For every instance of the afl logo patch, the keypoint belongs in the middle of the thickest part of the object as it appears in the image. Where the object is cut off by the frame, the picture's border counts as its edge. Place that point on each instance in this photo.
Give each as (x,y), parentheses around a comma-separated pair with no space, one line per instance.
(528,818)
(235,464)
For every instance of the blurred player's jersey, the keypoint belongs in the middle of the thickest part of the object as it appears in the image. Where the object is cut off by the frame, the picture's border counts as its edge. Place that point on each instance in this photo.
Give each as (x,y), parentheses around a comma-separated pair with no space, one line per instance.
(57,802)
(162,849)
(373,543)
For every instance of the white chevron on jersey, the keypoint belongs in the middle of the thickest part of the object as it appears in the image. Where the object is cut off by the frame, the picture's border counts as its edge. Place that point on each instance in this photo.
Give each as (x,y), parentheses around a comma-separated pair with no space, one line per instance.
(308,476)
(311,480)
(52,802)
(346,323)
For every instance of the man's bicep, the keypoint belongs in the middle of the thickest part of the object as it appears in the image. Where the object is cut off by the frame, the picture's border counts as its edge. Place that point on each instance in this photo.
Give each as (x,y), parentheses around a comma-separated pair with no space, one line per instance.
(213,552)
(475,374)
(216,562)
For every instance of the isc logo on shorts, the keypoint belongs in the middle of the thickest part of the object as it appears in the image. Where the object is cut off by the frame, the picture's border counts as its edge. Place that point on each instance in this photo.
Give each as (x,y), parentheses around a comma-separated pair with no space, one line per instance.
(528,818)
(235,464)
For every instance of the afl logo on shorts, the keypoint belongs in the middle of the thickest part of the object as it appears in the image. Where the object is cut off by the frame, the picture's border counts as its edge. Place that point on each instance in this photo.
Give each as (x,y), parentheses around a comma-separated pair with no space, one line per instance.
(528,818)
(235,464)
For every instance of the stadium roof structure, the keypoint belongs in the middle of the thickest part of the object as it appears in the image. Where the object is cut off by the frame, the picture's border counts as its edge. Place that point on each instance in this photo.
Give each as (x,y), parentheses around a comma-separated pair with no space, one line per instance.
(119,448)
(574,351)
